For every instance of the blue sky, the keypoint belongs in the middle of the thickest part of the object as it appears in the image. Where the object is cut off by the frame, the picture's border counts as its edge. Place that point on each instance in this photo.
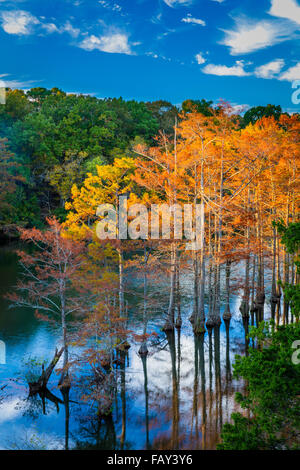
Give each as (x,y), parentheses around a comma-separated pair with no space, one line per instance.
(246,52)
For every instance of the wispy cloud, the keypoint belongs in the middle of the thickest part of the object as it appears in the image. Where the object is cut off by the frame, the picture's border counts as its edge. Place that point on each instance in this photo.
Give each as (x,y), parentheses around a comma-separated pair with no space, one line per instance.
(288,9)
(293,73)
(200,59)
(236,70)
(158,56)
(110,5)
(239,108)
(190,19)
(249,35)
(22,22)
(18,22)
(66,28)
(174,3)
(8,82)
(114,43)
(270,70)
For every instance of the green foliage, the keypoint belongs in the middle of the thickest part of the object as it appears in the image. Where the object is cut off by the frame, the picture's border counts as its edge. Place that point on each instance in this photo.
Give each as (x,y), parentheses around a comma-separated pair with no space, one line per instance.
(290,237)
(258,112)
(11,188)
(57,138)
(243,434)
(165,114)
(292,295)
(273,390)
(200,106)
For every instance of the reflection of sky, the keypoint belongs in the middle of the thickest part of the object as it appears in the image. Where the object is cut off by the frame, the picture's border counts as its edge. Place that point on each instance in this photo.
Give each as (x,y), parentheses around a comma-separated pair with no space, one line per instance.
(21,420)
(160,385)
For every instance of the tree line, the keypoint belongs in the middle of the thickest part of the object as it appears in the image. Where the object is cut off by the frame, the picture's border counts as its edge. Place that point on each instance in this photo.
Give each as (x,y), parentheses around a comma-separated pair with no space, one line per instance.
(52,139)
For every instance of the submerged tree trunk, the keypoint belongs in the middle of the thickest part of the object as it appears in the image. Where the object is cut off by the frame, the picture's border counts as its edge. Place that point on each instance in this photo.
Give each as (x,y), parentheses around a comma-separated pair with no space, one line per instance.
(144,362)
(227,314)
(121,283)
(260,291)
(252,306)
(274,299)
(195,286)
(195,387)
(178,299)
(175,391)
(41,383)
(203,388)
(218,386)
(199,321)
(64,379)
(143,351)
(169,324)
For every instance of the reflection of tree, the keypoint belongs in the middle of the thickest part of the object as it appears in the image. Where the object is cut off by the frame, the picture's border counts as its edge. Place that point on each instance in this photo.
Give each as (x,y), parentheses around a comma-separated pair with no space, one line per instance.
(143,349)
(178,299)
(218,388)
(228,365)
(175,394)
(195,389)
(97,431)
(210,359)
(43,403)
(123,398)
(203,387)
(65,393)
(144,362)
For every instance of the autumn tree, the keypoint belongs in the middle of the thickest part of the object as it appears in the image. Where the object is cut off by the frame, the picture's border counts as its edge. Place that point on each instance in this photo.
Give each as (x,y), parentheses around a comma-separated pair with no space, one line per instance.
(49,270)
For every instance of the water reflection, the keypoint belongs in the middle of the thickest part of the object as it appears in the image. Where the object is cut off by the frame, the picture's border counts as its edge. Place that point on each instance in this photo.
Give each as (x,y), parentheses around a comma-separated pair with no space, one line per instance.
(174,391)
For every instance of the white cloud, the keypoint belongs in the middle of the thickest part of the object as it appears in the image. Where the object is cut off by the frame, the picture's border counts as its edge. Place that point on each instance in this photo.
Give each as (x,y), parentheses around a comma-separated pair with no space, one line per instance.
(190,19)
(18,22)
(21,22)
(288,9)
(173,3)
(68,28)
(10,83)
(152,54)
(200,59)
(50,28)
(249,36)
(293,73)
(239,108)
(270,70)
(236,70)
(115,43)
(110,6)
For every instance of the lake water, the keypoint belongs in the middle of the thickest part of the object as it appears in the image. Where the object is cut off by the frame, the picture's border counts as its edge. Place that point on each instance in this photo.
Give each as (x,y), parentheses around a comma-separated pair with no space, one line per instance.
(177,398)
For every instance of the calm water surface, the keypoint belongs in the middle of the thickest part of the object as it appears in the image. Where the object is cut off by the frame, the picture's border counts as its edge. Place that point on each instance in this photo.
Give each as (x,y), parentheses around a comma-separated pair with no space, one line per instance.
(176,398)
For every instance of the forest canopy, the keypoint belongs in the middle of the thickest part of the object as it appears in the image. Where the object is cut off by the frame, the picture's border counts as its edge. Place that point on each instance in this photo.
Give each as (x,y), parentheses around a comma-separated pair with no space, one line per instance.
(53,139)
